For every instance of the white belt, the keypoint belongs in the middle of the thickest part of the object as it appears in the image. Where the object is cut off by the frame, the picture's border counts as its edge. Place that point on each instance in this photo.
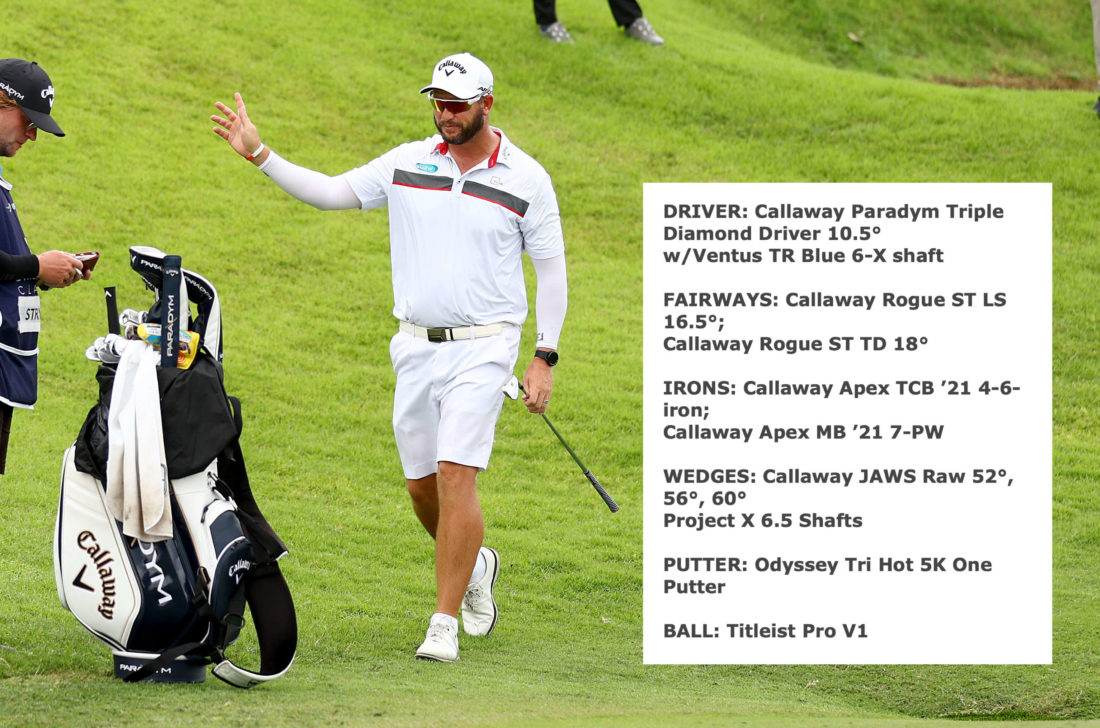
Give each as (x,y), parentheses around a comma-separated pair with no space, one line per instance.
(452,334)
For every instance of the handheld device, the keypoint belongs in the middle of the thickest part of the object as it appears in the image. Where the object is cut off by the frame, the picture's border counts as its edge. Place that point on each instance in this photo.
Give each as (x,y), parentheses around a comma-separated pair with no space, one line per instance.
(88,259)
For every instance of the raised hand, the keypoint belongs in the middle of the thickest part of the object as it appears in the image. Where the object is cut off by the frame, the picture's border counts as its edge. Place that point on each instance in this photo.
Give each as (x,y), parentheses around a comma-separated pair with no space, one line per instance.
(236,128)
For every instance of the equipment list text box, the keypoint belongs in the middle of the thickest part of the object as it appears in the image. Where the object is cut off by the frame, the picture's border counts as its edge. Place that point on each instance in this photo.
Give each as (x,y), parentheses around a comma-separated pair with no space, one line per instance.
(847,423)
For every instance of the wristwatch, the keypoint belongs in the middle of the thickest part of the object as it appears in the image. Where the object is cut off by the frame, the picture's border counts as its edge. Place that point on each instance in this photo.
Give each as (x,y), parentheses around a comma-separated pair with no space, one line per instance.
(550,357)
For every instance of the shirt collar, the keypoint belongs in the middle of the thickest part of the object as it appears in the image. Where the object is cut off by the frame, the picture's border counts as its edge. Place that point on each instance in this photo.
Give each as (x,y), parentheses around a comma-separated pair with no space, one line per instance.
(3,182)
(444,149)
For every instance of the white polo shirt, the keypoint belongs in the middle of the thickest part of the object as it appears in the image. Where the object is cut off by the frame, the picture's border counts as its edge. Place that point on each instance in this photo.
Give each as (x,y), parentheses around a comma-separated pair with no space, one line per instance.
(456,241)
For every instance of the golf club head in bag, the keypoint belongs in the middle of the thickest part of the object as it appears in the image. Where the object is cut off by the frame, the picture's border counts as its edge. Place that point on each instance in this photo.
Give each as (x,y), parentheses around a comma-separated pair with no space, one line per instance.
(148,262)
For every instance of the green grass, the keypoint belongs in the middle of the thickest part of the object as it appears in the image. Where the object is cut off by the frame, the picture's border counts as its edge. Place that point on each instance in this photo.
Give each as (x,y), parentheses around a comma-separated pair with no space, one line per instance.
(1013,41)
(744,91)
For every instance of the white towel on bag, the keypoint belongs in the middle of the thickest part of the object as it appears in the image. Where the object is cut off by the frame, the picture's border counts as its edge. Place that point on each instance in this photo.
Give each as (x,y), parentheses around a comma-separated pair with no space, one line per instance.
(137,474)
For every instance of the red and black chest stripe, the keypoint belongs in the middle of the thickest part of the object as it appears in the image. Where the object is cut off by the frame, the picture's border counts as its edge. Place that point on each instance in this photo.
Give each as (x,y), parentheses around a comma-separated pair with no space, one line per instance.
(492,194)
(419,181)
(438,183)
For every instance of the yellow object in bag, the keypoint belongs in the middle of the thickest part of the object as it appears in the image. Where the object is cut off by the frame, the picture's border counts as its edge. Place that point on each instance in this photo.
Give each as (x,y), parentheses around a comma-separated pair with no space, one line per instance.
(189,343)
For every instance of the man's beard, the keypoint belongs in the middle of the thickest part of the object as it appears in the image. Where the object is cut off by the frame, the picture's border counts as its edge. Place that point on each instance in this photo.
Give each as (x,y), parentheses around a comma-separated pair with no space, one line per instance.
(466,132)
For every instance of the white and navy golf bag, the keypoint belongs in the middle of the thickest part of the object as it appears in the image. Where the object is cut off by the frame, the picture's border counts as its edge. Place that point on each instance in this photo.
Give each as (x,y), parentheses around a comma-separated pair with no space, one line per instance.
(168,607)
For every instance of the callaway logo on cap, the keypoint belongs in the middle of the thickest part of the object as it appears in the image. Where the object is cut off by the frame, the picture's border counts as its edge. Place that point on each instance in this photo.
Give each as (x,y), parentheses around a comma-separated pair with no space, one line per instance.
(463,76)
(27,84)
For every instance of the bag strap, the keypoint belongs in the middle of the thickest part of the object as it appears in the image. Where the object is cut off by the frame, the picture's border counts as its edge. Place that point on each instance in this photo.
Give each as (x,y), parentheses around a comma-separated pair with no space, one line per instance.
(266,544)
(276,626)
(201,648)
(273,616)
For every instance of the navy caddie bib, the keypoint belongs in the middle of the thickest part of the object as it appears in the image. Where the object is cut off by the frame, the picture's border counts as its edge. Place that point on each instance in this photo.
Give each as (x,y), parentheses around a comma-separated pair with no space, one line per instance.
(20,316)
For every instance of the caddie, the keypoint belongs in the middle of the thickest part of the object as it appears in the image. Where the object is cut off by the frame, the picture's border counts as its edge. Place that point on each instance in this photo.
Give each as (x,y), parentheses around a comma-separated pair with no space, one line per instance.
(464,205)
(26,100)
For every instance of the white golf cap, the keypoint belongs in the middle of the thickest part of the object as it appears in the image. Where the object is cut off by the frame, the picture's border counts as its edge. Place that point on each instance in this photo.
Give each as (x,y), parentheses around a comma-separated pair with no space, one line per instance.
(463,76)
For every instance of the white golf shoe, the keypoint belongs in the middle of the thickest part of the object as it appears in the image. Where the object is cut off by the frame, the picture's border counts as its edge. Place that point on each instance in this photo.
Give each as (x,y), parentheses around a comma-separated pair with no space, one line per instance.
(479,609)
(440,644)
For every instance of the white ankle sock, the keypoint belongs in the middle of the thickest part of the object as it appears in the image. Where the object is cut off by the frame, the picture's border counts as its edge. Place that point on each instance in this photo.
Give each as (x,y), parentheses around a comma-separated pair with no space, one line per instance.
(479,568)
(446,619)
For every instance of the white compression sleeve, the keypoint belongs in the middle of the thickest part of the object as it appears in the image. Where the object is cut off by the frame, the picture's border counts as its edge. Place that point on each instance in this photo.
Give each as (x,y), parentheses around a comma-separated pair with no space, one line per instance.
(551,300)
(317,189)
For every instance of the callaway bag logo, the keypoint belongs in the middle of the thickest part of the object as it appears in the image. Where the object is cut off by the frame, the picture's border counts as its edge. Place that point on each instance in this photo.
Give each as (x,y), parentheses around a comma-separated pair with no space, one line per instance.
(237,570)
(101,559)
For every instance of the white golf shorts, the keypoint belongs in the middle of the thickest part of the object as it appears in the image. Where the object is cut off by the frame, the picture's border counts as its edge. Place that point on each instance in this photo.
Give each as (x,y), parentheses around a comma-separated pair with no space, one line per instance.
(448,398)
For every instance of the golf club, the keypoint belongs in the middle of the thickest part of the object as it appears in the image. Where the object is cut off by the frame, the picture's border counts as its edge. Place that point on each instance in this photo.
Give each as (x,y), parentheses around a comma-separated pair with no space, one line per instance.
(112,309)
(512,389)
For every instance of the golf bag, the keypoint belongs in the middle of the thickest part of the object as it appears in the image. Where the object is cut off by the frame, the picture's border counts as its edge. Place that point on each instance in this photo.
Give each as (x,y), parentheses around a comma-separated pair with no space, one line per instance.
(168,606)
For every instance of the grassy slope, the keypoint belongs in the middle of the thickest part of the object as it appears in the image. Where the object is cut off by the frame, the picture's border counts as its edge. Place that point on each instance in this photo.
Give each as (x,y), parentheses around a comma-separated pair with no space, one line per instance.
(307,300)
(1014,41)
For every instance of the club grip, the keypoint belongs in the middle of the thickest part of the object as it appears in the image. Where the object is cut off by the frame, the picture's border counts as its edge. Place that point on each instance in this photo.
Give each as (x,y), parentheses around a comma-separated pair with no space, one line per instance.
(603,493)
(112,310)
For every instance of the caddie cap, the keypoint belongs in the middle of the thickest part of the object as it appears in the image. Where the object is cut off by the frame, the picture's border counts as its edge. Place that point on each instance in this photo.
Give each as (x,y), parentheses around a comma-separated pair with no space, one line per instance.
(463,76)
(27,84)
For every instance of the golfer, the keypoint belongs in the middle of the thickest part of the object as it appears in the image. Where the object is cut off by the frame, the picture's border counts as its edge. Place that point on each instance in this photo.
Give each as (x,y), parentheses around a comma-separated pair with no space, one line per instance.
(464,205)
(26,100)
